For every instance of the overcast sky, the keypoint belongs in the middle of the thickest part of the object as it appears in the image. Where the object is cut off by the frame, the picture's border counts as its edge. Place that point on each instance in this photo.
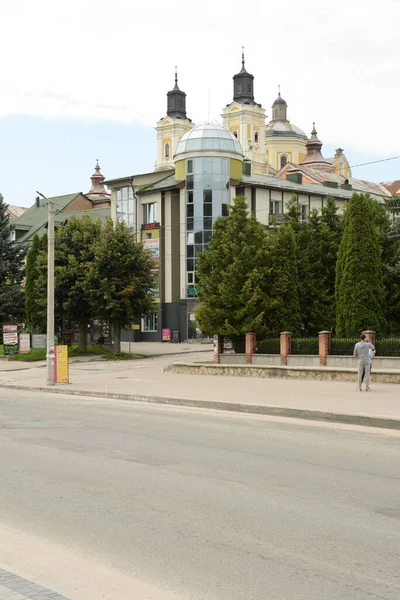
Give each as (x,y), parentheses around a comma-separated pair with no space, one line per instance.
(87,79)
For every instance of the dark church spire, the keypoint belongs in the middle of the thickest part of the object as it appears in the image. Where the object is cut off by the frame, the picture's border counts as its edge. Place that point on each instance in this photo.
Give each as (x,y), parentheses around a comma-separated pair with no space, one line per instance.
(176,106)
(243,85)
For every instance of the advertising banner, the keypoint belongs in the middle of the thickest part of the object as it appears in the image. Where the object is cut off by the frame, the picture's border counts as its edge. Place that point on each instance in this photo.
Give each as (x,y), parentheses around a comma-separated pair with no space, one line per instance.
(39,340)
(24,343)
(10,339)
(61,370)
(166,335)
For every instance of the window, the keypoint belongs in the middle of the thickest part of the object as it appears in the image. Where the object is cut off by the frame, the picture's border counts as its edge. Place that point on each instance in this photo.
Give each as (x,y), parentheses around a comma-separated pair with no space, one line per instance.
(126,207)
(166,150)
(283,160)
(149,213)
(303,212)
(256,137)
(276,207)
(12,235)
(235,133)
(249,88)
(149,322)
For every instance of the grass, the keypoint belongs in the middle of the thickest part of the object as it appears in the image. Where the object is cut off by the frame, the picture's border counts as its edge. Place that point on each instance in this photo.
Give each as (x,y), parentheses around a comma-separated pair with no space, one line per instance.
(40,354)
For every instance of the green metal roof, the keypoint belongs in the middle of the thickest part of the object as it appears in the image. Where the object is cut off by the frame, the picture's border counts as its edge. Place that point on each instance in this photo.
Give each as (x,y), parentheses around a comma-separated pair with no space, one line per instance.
(39,227)
(167,182)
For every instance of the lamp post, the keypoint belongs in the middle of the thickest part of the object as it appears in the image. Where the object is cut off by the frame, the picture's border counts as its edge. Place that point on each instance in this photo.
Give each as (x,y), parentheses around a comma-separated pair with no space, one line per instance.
(50,291)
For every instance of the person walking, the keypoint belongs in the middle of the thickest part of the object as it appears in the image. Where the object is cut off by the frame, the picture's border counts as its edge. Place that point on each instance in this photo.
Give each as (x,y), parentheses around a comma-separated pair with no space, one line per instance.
(364,351)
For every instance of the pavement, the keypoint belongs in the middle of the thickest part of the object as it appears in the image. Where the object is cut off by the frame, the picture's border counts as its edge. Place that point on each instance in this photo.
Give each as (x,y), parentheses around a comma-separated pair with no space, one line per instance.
(13,587)
(118,501)
(146,380)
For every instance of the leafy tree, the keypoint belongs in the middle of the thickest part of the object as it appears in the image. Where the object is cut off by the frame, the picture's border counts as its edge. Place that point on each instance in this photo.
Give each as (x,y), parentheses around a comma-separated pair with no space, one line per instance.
(232,274)
(74,252)
(360,294)
(36,285)
(331,235)
(11,272)
(120,278)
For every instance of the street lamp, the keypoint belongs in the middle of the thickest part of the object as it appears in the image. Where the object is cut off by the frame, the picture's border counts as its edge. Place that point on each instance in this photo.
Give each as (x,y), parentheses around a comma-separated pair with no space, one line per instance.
(50,291)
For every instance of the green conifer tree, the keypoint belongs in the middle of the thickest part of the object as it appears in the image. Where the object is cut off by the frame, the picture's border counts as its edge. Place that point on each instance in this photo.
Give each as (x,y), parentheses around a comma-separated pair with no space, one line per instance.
(360,294)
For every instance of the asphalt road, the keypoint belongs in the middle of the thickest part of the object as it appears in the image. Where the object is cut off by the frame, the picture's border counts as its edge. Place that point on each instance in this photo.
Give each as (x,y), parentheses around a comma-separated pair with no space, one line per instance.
(205,505)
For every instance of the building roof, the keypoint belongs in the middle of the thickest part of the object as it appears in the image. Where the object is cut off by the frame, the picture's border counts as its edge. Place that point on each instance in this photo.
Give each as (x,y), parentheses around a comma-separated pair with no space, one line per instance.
(358,185)
(168,182)
(16,211)
(209,136)
(284,129)
(393,187)
(291,186)
(62,217)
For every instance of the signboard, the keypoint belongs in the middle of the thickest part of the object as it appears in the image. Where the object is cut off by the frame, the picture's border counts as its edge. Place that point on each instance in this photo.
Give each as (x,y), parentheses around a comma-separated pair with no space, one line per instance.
(61,371)
(10,339)
(148,226)
(192,292)
(166,335)
(175,337)
(24,343)
(39,340)
(135,327)
(153,245)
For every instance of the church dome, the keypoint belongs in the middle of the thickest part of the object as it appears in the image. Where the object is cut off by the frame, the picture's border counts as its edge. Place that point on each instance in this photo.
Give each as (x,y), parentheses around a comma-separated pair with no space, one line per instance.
(279,101)
(284,129)
(209,136)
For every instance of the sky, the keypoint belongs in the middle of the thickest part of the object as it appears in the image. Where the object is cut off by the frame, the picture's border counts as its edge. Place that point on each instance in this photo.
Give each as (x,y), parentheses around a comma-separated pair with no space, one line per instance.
(87,79)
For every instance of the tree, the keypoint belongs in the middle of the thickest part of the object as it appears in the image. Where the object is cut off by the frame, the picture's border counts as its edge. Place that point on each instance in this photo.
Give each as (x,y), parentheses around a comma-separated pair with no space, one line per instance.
(331,235)
(283,285)
(360,294)
(74,253)
(120,278)
(11,272)
(36,285)
(233,275)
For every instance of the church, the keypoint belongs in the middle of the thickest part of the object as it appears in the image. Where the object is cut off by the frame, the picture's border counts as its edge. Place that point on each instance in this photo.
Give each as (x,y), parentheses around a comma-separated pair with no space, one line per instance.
(198,171)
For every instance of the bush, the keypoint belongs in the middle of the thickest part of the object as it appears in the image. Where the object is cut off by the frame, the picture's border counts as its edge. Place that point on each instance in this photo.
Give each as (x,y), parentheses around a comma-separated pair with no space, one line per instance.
(305,346)
(268,346)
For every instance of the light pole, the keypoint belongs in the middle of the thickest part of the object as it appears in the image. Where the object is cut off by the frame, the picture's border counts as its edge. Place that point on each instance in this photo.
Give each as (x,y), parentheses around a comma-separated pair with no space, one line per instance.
(50,291)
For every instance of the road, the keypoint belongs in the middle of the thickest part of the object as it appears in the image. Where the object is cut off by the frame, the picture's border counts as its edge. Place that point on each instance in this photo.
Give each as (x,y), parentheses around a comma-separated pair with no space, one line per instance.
(143,501)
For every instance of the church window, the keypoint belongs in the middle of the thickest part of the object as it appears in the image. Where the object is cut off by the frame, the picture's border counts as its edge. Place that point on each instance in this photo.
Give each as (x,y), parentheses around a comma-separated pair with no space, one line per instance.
(235,133)
(166,150)
(256,137)
(283,160)
(249,88)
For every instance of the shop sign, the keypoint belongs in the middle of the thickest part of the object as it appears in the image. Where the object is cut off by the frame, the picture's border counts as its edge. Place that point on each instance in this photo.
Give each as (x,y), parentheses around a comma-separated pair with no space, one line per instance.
(149,226)
(154,246)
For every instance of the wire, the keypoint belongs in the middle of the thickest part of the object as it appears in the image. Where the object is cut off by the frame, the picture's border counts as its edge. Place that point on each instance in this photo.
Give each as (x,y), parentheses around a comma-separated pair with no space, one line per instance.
(374,162)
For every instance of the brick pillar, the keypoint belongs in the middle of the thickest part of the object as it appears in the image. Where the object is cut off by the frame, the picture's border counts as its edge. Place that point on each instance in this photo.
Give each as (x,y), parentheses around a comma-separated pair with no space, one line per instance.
(286,346)
(370,335)
(218,347)
(324,346)
(250,346)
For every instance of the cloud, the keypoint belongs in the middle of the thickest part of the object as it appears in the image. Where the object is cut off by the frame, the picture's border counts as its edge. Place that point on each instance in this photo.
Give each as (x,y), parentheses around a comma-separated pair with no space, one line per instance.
(114,62)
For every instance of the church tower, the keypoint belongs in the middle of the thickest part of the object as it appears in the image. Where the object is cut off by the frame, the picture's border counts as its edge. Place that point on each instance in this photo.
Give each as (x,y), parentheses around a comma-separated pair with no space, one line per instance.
(171,128)
(246,120)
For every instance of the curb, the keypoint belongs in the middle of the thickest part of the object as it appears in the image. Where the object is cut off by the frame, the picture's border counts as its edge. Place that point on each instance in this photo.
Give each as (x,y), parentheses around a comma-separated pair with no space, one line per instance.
(254,409)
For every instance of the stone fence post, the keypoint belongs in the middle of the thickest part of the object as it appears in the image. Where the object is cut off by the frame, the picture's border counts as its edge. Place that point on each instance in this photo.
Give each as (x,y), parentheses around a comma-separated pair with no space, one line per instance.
(370,335)
(324,346)
(250,347)
(218,347)
(286,346)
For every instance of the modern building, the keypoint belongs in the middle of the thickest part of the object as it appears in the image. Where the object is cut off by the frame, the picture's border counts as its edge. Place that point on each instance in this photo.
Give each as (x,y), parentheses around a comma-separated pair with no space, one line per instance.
(96,203)
(199,169)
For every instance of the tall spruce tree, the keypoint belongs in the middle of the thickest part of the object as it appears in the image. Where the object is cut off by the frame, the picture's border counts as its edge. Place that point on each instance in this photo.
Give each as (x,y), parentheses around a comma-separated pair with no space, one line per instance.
(331,235)
(233,275)
(12,309)
(282,282)
(36,285)
(360,293)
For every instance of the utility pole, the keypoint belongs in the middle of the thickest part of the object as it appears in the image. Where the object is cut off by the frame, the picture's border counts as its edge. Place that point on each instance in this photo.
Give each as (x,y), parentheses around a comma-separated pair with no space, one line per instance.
(50,291)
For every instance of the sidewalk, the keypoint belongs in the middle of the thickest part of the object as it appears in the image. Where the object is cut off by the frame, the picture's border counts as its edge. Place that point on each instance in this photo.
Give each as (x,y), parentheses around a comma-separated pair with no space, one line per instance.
(146,380)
